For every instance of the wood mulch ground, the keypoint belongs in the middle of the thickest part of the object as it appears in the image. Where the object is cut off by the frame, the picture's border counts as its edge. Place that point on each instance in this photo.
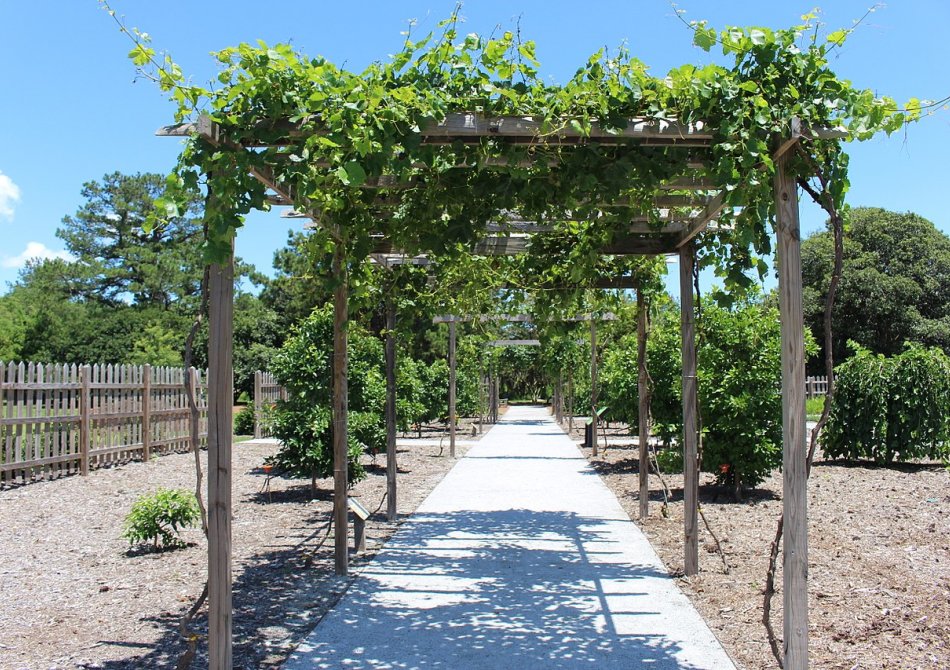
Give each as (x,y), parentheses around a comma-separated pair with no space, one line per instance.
(879,560)
(74,597)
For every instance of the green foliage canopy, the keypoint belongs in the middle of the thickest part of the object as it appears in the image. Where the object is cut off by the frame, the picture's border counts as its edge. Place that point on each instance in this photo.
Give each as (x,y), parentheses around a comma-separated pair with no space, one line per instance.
(303,422)
(353,129)
(895,284)
(889,409)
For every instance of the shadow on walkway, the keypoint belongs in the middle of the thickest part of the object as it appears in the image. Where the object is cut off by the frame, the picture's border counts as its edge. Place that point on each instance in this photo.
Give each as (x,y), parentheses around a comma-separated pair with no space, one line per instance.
(504,589)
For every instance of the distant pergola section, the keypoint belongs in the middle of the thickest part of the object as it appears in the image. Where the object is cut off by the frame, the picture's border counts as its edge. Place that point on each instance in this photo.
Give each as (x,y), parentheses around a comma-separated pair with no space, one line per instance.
(452,319)
(671,236)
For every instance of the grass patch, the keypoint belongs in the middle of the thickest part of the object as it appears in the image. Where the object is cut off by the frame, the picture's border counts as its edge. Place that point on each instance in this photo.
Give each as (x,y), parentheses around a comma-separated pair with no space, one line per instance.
(814,407)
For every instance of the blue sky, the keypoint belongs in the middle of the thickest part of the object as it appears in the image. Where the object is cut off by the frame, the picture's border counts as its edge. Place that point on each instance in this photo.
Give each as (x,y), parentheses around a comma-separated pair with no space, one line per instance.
(71,109)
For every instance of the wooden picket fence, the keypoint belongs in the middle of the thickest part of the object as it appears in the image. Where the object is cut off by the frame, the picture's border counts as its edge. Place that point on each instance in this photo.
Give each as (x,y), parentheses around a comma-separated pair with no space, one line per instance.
(816,386)
(63,419)
(267,391)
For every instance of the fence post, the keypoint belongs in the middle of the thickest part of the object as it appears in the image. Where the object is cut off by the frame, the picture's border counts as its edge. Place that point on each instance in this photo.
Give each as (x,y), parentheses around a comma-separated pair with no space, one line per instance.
(146,412)
(85,409)
(258,403)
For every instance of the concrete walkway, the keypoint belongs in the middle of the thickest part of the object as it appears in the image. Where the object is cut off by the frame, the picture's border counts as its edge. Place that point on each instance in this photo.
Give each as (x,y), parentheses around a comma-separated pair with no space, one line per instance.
(520,558)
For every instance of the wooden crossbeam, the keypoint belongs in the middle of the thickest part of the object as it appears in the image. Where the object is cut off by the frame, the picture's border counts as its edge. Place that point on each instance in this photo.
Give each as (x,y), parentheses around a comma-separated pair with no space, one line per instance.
(521,318)
(459,126)
(514,343)
(514,245)
(392,260)
(470,126)
(526,130)
(701,222)
(641,225)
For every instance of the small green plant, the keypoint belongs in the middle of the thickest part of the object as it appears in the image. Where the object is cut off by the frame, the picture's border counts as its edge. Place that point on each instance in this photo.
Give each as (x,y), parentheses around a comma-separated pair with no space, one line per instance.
(244,421)
(670,460)
(159,517)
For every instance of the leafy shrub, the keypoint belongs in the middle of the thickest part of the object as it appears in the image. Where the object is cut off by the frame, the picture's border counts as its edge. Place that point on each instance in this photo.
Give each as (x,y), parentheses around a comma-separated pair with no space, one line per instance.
(670,460)
(158,518)
(468,370)
(739,377)
(618,382)
(619,373)
(740,392)
(303,422)
(244,421)
(410,392)
(890,408)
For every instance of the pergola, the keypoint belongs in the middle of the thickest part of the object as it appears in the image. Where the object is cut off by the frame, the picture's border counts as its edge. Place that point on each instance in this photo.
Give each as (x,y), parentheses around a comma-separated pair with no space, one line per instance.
(683,208)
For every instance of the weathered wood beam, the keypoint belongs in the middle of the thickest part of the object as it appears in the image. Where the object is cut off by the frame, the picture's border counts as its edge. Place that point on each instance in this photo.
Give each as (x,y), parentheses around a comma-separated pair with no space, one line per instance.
(520,318)
(512,245)
(392,260)
(220,428)
(513,128)
(593,387)
(795,482)
(339,411)
(613,283)
(390,405)
(452,418)
(672,224)
(690,434)
(795,126)
(514,343)
(464,125)
(643,404)
(713,208)
(689,183)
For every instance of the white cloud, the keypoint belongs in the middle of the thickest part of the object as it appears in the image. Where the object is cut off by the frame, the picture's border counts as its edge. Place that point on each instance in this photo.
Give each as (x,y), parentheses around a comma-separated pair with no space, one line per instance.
(9,195)
(34,250)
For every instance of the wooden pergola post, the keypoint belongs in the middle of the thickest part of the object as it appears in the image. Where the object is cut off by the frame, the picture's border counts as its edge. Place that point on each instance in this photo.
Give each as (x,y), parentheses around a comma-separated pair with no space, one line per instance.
(690,437)
(390,408)
(643,404)
(481,400)
(570,401)
(558,400)
(794,488)
(593,385)
(340,465)
(452,388)
(220,400)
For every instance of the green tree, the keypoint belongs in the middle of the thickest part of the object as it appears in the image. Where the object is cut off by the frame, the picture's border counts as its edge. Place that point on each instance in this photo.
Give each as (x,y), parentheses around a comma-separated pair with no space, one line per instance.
(157,345)
(298,285)
(124,260)
(131,294)
(895,285)
(739,376)
(302,422)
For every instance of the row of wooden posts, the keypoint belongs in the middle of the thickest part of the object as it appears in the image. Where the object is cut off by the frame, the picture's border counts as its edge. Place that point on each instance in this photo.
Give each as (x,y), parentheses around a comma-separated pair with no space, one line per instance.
(69,419)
